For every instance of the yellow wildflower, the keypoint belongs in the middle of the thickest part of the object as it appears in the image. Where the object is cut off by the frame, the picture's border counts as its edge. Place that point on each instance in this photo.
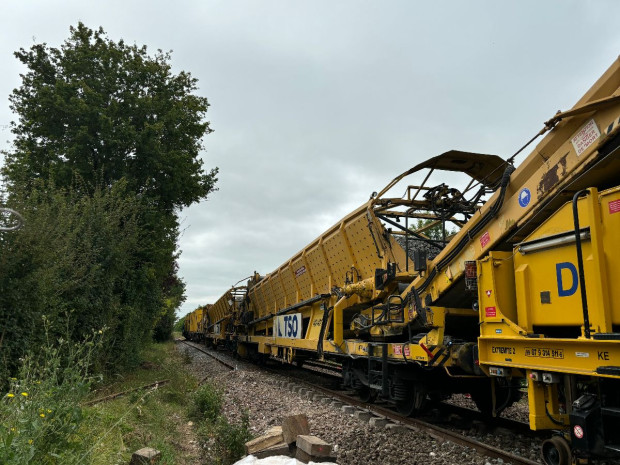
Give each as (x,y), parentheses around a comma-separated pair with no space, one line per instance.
(13,428)
(42,415)
(25,394)
(49,411)
(30,441)
(10,394)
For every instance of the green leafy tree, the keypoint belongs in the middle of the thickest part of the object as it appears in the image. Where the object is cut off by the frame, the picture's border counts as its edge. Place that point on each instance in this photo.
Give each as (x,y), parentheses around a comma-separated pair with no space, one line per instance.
(75,263)
(108,110)
(106,152)
(434,232)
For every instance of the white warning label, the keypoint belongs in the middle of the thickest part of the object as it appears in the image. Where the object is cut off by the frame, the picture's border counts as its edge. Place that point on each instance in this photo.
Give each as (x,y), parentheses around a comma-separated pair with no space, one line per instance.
(585,137)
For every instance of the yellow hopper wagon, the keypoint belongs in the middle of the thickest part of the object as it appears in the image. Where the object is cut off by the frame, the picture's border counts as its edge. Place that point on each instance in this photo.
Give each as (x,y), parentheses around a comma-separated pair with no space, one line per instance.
(468,274)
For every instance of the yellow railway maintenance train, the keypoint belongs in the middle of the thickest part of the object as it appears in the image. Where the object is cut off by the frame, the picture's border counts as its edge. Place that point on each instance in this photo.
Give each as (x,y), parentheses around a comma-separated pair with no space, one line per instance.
(428,290)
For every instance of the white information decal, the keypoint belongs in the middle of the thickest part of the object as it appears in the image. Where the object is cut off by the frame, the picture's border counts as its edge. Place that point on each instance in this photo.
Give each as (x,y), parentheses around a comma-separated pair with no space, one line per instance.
(288,326)
(585,137)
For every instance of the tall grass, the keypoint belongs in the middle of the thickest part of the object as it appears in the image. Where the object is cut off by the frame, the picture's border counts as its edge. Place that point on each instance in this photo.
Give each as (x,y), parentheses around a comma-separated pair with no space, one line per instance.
(225,440)
(40,415)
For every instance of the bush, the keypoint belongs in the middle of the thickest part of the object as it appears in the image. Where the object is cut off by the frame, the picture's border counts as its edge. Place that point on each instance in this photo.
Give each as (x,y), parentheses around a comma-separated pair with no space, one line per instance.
(40,415)
(206,403)
(228,439)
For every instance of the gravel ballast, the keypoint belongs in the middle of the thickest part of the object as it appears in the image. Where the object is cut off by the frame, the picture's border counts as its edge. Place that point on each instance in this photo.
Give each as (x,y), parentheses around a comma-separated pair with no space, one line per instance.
(355,441)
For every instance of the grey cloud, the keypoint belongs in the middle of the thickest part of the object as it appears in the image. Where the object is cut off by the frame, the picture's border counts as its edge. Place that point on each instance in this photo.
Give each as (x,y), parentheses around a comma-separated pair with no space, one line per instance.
(315,104)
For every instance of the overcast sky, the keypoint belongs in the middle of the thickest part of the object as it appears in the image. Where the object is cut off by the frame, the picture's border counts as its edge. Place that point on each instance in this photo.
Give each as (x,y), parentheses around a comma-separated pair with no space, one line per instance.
(316,104)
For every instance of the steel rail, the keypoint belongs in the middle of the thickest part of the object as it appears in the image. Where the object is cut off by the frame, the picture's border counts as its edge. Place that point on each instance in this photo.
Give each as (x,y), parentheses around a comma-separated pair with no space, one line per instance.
(415,424)
(419,424)
(204,351)
(155,385)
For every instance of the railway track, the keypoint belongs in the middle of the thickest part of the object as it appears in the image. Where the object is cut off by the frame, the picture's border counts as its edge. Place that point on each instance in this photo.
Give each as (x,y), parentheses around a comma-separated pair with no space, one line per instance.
(320,393)
(198,347)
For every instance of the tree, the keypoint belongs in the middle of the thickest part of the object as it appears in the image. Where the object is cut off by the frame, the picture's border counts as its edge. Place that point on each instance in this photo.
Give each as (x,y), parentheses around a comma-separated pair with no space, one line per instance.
(107,110)
(434,232)
(106,152)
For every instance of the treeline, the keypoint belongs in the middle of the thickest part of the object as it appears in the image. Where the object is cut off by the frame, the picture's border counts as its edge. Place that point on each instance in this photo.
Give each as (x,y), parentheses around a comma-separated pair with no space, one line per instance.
(105,154)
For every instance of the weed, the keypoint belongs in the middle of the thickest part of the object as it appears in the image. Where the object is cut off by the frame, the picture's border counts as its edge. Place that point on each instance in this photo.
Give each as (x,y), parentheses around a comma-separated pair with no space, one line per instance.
(40,416)
(206,403)
(227,439)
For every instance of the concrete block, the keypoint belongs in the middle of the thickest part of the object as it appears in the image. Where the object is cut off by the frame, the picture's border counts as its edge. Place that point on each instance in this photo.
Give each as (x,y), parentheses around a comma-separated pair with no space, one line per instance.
(145,456)
(396,428)
(272,437)
(313,446)
(293,426)
(377,422)
(348,409)
(317,397)
(336,404)
(362,415)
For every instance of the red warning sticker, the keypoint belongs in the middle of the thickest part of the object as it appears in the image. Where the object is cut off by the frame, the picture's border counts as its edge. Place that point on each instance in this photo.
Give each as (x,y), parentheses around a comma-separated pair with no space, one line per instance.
(490,311)
(398,350)
(614,207)
(485,239)
(586,136)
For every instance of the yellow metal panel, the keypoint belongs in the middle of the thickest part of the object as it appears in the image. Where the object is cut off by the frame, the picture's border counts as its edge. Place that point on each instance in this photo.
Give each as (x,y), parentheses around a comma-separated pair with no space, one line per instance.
(290,284)
(318,268)
(610,229)
(496,288)
(221,308)
(542,400)
(276,289)
(338,255)
(315,322)
(258,298)
(548,291)
(362,246)
(524,297)
(577,356)
(195,317)
(302,276)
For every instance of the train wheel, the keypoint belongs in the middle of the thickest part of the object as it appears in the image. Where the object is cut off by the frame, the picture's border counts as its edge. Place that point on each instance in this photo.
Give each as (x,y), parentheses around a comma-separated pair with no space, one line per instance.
(505,395)
(556,451)
(415,401)
(367,395)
